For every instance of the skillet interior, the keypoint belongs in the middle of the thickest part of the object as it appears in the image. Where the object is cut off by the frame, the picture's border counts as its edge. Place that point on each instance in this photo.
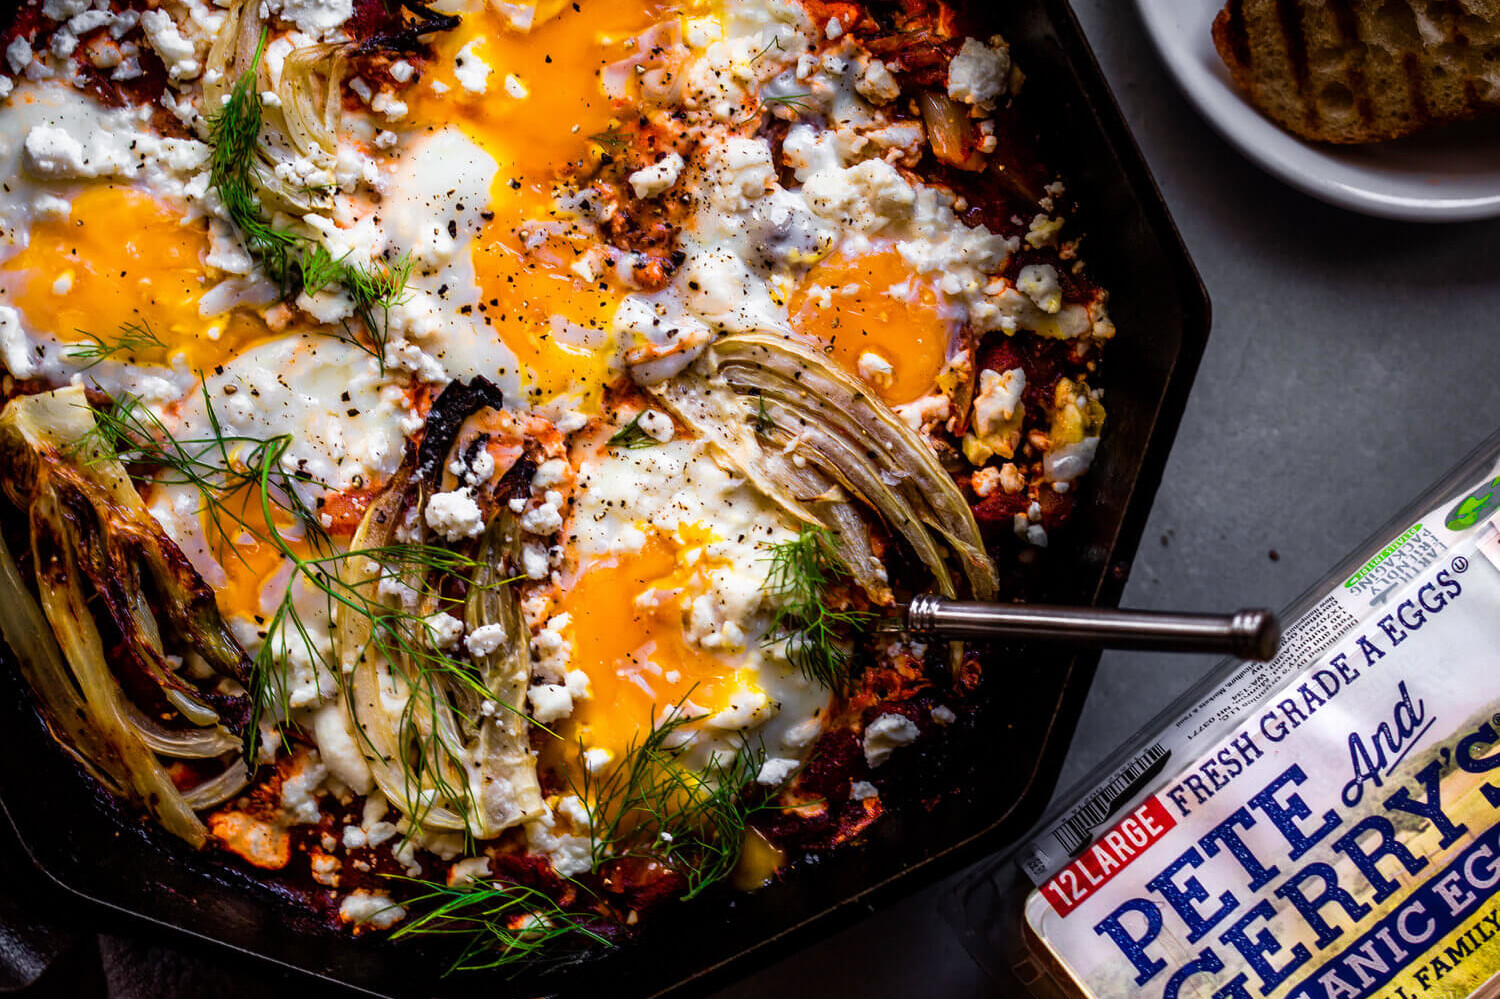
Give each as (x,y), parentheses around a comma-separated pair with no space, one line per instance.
(951,801)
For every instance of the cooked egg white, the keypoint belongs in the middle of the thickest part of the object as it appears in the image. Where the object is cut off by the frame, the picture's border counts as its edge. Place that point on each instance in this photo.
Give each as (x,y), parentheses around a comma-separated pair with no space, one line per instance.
(102,228)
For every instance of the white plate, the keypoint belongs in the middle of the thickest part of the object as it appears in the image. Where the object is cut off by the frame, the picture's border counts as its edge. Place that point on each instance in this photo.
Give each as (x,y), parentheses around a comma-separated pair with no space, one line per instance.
(1449,174)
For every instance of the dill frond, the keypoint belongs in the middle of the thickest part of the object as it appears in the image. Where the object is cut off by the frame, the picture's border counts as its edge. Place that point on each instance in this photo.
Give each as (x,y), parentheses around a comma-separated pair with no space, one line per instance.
(320,269)
(763,424)
(220,466)
(774,43)
(802,574)
(651,804)
(380,285)
(132,339)
(234,141)
(631,436)
(294,260)
(792,102)
(502,926)
(612,139)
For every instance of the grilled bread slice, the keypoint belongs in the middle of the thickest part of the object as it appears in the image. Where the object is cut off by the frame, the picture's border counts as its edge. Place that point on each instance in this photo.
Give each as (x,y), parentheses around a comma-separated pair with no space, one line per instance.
(1363,70)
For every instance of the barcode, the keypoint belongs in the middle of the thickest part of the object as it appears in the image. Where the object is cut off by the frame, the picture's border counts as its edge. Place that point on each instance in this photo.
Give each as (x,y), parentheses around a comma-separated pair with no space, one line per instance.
(1076,830)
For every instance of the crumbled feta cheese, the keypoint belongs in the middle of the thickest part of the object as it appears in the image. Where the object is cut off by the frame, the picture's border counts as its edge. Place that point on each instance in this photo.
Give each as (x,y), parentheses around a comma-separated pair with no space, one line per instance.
(657,425)
(62,10)
(650,181)
(534,561)
(370,908)
(484,639)
(943,715)
(514,88)
(454,515)
(468,871)
(402,71)
(445,629)
(299,791)
(392,587)
(862,790)
(385,139)
(986,480)
(549,702)
(1068,462)
(570,855)
(977,75)
(18,54)
(1036,535)
(596,759)
(1038,282)
(876,370)
(325,869)
(388,105)
(314,17)
(549,473)
(15,347)
(472,72)
(1011,479)
(544,518)
(64,43)
(885,734)
(177,53)
(89,20)
(876,84)
(998,399)
(775,771)
(477,470)
(52,152)
(1043,231)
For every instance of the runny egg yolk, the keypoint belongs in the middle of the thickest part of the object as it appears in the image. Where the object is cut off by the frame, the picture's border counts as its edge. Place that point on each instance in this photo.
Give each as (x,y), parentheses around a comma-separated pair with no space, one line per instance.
(122,258)
(627,635)
(240,541)
(874,304)
(534,112)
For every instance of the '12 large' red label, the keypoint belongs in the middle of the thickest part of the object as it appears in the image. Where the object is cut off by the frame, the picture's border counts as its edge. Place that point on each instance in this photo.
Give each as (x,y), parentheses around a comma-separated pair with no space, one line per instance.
(1111,854)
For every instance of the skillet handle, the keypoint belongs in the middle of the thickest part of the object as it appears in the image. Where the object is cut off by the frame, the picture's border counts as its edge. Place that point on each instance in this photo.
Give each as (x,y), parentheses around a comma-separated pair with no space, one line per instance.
(1246,634)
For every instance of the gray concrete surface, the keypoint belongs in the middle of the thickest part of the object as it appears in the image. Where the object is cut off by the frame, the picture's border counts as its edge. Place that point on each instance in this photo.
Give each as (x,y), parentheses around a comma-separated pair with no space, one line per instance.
(1352,362)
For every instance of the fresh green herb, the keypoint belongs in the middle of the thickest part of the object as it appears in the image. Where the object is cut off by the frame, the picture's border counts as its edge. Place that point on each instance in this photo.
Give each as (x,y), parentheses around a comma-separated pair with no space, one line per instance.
(651,804)
(792,102)
(234,474)
(131,340)
(763,424)
(632,436)
(612,139)
(294,260)
(379,285)
(774,43)
(502,926)
(799,584)
(234,137)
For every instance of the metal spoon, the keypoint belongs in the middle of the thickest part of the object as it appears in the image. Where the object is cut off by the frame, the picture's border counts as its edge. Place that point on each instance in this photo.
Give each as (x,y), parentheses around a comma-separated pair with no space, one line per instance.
(1246,634)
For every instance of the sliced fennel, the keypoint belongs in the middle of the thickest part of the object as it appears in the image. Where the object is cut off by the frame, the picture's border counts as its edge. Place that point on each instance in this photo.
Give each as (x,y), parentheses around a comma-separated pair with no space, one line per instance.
(811,436)
(102,561)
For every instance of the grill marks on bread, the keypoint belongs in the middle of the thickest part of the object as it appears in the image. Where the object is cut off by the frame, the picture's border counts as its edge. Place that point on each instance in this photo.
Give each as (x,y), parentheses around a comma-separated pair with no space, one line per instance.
(1363,70)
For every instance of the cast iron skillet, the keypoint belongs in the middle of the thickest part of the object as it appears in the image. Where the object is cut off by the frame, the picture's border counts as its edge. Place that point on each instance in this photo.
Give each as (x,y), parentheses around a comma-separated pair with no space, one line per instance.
(947,804)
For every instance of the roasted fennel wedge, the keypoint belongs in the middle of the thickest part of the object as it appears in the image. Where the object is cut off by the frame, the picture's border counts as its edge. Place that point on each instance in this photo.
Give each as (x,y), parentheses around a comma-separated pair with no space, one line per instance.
(814,438)
(117,612)
(443,728)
